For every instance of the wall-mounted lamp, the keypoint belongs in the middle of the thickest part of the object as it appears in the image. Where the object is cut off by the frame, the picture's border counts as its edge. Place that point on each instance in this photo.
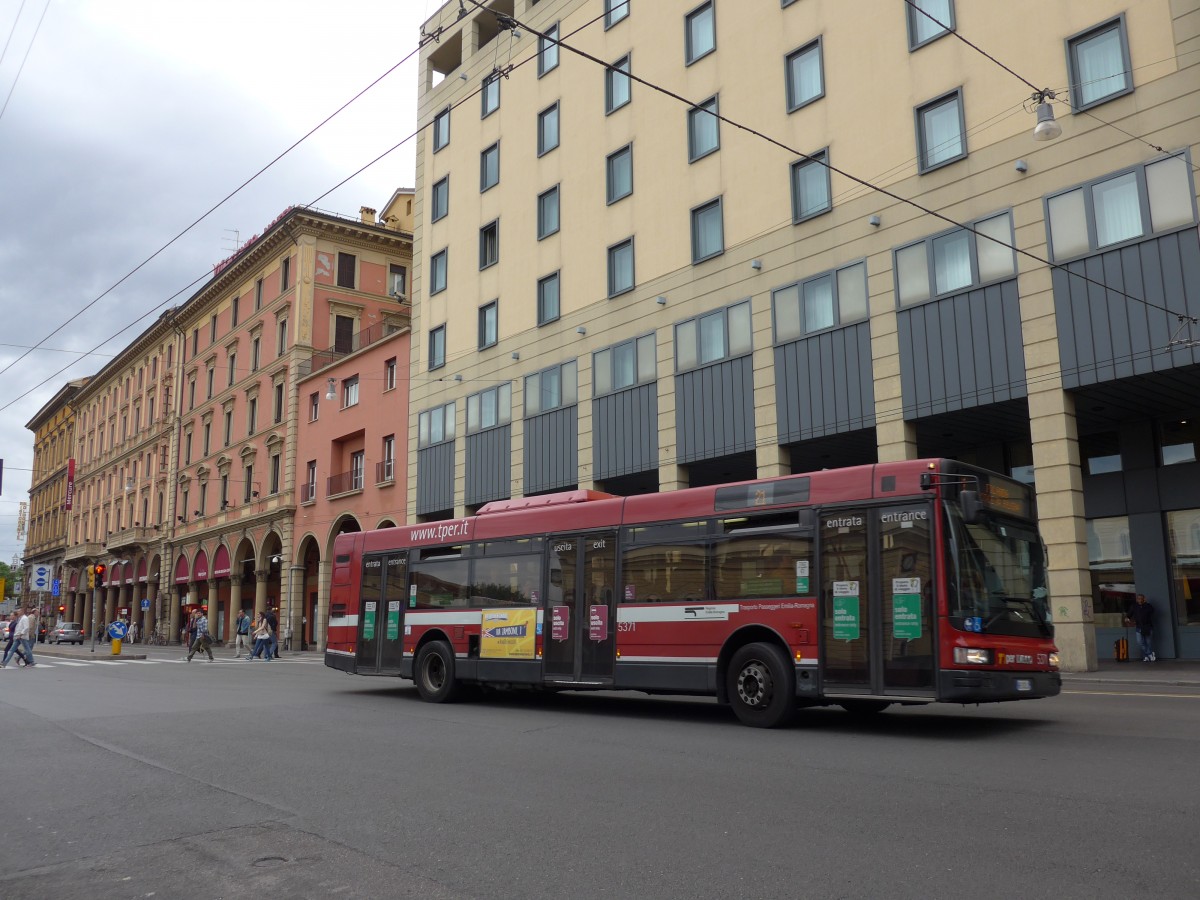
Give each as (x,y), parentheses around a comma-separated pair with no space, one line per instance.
(874,220)
(276,558)
(330,388)
(581,330)
(462,75)
(516,355)
(756,264)
(458,378)
(660,300)
(1047,129)
(1021,166)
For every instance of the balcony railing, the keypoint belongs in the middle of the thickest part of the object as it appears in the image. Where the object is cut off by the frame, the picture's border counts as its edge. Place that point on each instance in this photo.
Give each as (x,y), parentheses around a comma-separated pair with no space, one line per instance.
(130,537)
(86,550)
(308,493)
(346,481)
(385,471)
(365,338)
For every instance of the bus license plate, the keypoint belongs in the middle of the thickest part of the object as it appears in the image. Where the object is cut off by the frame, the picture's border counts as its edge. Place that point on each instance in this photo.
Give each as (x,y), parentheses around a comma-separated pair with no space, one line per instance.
(1024,684)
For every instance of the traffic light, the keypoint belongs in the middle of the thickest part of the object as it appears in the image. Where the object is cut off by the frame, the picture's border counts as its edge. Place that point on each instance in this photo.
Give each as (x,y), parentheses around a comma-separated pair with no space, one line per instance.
(91,575)
(100,570)
(61,609)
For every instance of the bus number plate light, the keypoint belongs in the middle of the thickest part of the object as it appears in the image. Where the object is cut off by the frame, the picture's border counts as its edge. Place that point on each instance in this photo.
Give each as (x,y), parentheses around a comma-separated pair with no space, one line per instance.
(1024,684)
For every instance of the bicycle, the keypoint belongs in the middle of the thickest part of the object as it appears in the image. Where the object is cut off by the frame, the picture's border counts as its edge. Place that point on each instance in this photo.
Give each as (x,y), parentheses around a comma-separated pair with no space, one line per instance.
(155,639)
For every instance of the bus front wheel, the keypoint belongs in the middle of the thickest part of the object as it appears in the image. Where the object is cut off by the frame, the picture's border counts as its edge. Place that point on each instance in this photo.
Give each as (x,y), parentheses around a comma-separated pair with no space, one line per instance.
(762,688)
(435,673)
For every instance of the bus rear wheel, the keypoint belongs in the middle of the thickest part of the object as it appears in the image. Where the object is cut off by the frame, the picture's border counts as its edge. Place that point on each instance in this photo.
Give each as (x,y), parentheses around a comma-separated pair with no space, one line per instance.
(435,673)
(761,686)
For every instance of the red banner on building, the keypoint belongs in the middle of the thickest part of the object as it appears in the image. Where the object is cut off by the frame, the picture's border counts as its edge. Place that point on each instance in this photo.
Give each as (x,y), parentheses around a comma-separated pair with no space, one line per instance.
(70,484)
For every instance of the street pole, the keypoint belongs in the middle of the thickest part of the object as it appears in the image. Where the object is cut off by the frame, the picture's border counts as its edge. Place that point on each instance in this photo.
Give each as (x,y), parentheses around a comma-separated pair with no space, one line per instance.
(95,600)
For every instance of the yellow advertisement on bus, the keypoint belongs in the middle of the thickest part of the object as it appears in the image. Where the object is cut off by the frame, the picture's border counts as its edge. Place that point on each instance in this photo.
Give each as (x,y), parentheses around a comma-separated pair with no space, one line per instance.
(508,634)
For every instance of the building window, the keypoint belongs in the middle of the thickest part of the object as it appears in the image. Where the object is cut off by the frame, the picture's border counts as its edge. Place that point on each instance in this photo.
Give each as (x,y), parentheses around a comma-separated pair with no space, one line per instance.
(941,138)
(310,481)
(397,282)
(616,85)
(435,426)
(210,375)
(624,365)
(388,468)
(955,261)
(281,336)
(547,213)
(1178,440)
(704,134)
(255,353)
(619,174)
(1101,453)
(195,341)
(487,324)
(274,473)
(928,20)
(700,32)
(805,78)
(357,466)
(490,408)
(212,330)
(708,232)
(232,368)
(1132,204)
(285,276)
(437,347)
(191,395)
(620,267)
(548,51)
(441,130)
(345,270)
(233,314)
(547,136)
(614,12)
(1098,62)
(389,374)
(489,94)
(437,271)
(314,406)
(713,337)
(251,415)
(439,201)
(489,167)
(810,187)
(823,301)
(350,392)
(551,389)
(258,293)
(547,299)
(278,397)
(489,244)
(207,442)
(187,448)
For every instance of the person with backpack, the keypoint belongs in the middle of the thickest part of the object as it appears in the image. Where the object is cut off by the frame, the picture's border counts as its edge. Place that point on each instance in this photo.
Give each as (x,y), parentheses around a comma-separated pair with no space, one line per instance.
(202,642)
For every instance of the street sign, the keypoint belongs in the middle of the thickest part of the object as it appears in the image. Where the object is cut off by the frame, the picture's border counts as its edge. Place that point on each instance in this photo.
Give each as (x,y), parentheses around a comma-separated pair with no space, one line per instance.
(41,578)
(56,587)
(116,631)
(146,603)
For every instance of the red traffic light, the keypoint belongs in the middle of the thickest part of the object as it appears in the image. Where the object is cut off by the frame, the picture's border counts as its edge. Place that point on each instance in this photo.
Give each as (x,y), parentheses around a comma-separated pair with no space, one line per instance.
(62,609)
(101,568)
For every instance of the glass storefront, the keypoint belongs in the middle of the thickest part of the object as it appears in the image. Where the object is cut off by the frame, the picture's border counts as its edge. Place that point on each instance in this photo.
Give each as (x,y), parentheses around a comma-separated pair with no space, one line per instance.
(1183,527)
(1111,563)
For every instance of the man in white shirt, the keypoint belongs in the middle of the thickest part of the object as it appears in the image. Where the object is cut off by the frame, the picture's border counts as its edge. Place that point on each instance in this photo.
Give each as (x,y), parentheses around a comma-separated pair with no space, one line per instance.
(26,634)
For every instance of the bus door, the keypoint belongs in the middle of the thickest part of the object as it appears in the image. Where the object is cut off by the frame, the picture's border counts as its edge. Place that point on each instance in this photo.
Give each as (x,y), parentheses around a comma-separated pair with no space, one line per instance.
(877,601)
(580,622)
(381,614)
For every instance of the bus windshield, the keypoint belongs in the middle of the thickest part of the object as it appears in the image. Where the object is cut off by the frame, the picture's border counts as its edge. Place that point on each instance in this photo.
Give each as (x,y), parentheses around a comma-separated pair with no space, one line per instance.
(997,577)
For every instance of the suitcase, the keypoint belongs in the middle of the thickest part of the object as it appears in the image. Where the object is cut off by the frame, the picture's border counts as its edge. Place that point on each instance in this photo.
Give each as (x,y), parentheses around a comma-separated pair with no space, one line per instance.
(1121,649)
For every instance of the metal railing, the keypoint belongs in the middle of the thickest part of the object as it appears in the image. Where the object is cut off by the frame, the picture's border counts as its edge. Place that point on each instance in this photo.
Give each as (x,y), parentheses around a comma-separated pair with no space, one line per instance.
(360,341)
(385,471)
(345,481)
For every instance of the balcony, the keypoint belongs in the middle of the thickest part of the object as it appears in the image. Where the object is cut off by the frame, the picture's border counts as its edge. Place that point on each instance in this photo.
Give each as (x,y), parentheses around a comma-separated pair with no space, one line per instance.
(385,472)
(345,482)
(360,341)
(308,493)
(86,550)
(130,537)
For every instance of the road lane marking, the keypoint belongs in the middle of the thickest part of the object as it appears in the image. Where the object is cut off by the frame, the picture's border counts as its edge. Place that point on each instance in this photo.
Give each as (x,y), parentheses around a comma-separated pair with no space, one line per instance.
(1134,694)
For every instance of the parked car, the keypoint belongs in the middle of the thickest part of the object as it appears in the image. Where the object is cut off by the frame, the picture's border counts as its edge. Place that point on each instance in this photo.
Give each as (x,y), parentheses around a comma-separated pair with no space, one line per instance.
(71,632)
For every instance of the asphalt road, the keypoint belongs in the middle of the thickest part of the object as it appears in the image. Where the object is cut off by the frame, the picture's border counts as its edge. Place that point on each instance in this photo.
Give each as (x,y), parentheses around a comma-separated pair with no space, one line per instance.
(286,779)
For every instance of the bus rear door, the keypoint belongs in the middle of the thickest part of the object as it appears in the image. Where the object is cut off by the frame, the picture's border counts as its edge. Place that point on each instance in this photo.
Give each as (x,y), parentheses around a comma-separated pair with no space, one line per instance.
(877,628)
(579,632)
(381,614)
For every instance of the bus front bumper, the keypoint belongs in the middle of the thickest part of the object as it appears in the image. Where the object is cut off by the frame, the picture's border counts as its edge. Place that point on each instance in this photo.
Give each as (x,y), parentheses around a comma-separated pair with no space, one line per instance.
(981,686)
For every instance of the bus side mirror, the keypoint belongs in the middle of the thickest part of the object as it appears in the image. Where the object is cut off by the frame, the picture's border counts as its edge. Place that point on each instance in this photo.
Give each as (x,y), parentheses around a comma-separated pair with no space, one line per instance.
(926,481)
(972,510)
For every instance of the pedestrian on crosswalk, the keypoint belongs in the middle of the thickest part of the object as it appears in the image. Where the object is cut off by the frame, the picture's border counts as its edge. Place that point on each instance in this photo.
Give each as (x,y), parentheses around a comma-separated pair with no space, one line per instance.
(21,642)
(242,640)
(10,637)
(202,643)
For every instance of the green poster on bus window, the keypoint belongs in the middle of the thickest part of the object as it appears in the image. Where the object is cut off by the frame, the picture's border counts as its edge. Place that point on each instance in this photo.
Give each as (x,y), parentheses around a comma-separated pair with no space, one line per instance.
(906,608)
(393,620)
(369,620)
(846,619)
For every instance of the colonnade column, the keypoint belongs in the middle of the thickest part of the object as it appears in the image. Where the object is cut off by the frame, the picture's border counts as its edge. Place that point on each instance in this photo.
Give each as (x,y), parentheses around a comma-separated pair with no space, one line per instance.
(235,602)
(172,615)
(260,590)
(211,603)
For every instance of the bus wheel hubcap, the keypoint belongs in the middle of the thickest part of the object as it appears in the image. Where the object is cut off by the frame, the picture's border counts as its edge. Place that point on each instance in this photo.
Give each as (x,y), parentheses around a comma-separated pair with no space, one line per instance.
(754,686)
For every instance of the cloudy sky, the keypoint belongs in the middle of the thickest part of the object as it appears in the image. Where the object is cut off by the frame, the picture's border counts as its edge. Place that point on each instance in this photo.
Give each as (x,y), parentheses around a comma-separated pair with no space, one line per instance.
(124,121)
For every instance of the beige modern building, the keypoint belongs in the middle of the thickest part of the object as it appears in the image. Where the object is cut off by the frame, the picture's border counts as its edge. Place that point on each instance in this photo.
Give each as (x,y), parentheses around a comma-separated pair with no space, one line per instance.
(615,289)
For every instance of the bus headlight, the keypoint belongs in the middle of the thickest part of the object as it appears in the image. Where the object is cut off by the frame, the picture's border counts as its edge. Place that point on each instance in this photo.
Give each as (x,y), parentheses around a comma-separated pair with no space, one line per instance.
(1054,660)
(972,656)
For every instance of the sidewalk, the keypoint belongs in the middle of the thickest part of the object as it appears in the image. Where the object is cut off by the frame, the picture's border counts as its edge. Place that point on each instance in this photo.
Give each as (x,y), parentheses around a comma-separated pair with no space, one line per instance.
(1168,671)
(103,650)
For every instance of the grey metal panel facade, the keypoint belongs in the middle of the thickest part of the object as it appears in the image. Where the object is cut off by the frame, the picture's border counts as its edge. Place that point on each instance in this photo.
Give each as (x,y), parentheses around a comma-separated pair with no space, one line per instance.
(1103,336)
(823,384)
(625,432)
(552,450)
(435,478)
(962,351)
(714,410)
(489,465)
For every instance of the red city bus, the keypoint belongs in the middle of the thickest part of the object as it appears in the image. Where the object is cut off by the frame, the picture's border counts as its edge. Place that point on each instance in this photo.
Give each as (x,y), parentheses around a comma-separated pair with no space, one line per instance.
(910,582)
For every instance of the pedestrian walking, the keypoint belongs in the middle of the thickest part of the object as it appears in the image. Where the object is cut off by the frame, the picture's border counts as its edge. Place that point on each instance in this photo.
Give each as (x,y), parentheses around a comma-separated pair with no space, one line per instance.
(133,631)
(1141,617)
(262,639)
(189,631)
(26,625)
(202,642)
(273,623)
(242,627)
(10,638)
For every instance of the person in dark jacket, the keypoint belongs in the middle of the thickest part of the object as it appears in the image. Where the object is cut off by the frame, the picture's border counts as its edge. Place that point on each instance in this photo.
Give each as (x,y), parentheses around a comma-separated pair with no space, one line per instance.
(1141,617)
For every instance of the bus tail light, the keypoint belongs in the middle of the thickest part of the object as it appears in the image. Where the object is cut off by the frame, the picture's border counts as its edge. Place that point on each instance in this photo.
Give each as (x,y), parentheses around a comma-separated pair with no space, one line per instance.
(972,656)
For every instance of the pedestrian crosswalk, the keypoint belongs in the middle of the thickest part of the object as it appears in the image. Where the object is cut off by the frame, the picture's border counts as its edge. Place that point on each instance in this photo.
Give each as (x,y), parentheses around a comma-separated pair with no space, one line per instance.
(53,662)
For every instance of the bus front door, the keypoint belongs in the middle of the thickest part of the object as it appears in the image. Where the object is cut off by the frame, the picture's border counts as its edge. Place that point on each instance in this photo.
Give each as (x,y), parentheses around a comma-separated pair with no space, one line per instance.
(579,628)
(877,602)
(381,614)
